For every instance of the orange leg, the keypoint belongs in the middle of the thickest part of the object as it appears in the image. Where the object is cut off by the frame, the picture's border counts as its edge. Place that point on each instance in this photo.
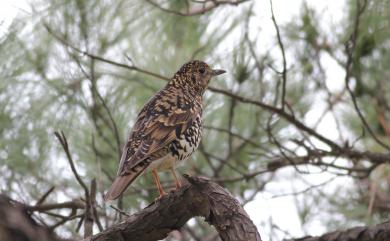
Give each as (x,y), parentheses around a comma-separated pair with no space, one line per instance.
(177,181)
(158,184)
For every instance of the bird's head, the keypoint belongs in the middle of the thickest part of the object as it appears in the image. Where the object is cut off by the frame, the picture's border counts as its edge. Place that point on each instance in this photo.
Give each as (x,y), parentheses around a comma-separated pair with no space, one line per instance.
(196,75)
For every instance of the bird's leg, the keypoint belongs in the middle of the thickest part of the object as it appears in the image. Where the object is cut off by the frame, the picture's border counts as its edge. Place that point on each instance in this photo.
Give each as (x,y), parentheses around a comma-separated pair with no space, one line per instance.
(177,181)
(158,184)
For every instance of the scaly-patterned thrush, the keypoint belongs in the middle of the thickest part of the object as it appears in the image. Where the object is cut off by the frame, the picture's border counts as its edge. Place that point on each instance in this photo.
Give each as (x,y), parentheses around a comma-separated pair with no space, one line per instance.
(167,130)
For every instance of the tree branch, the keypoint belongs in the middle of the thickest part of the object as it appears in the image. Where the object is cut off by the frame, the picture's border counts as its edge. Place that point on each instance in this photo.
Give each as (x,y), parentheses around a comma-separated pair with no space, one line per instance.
(380,232)
(75,204)
(199,197)
(17,224)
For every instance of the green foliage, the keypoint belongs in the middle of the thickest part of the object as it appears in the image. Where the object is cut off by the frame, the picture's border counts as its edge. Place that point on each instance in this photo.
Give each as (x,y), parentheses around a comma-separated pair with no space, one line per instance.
(46,86)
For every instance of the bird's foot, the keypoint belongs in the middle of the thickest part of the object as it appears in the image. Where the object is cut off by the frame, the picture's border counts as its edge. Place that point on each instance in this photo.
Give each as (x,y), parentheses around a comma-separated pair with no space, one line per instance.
(178,184)
(173,190)
(162,194)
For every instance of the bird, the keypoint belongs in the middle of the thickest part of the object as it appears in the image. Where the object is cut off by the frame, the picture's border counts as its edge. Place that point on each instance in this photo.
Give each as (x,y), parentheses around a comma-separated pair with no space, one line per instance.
(167,130)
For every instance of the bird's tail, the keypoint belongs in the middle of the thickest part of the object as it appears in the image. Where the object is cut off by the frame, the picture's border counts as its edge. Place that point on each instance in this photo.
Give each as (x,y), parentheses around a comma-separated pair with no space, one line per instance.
(121,183)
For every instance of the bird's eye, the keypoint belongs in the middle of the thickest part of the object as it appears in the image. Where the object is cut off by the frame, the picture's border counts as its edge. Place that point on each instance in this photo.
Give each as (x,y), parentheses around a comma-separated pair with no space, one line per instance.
(202,70)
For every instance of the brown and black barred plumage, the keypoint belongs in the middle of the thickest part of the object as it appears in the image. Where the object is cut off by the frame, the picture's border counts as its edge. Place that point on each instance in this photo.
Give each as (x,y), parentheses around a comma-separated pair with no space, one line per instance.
(167,130)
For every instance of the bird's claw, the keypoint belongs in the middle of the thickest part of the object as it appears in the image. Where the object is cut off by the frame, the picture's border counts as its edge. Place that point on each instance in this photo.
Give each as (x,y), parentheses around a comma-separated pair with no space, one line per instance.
(160,197)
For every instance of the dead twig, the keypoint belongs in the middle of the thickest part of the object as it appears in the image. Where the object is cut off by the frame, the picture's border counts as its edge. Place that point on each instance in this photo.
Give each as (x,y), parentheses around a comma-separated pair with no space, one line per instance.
(44,196)
(64,143)
(281,46)
(88,213)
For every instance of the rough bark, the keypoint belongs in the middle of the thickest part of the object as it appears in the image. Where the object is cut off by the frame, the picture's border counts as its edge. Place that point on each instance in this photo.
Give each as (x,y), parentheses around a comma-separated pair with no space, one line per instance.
(199,197)
(17,225)
(380,232)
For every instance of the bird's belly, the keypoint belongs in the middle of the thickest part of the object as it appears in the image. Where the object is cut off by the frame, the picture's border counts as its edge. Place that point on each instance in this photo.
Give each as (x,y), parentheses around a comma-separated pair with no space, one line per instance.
(162,164)
(182,152)
(188,142)
(183,149)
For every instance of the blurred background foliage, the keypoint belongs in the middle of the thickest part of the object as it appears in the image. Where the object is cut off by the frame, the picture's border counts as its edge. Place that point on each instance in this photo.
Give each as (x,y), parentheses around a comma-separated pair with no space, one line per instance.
(51,80)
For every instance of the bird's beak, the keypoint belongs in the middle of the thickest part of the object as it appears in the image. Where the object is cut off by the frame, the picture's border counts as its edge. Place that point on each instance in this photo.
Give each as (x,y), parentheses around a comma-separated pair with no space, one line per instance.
(216,72)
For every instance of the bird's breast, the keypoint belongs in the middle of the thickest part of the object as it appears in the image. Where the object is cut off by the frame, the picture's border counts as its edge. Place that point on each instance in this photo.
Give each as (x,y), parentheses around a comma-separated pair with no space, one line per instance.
(187,142)
(180,149)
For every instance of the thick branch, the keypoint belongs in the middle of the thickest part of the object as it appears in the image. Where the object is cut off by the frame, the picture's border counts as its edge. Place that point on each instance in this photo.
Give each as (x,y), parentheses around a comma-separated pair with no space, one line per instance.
(200,197)
(16,224)
(380,232)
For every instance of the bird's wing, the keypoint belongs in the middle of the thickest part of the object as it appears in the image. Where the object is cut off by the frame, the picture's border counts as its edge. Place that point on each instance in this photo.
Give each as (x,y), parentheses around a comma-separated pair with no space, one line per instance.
(161,131)
(160,122)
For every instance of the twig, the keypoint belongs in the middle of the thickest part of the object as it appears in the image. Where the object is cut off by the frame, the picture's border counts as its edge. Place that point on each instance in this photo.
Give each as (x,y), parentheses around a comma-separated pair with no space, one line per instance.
(70,218)
(119,211)
(114,125)
(86,53)
(80,222)
(88,216)
(253,143)
(44,196)
(93,205)
(62,139)
(75,204)
(88,213)
(281,46)
(290,118)
(306,189)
